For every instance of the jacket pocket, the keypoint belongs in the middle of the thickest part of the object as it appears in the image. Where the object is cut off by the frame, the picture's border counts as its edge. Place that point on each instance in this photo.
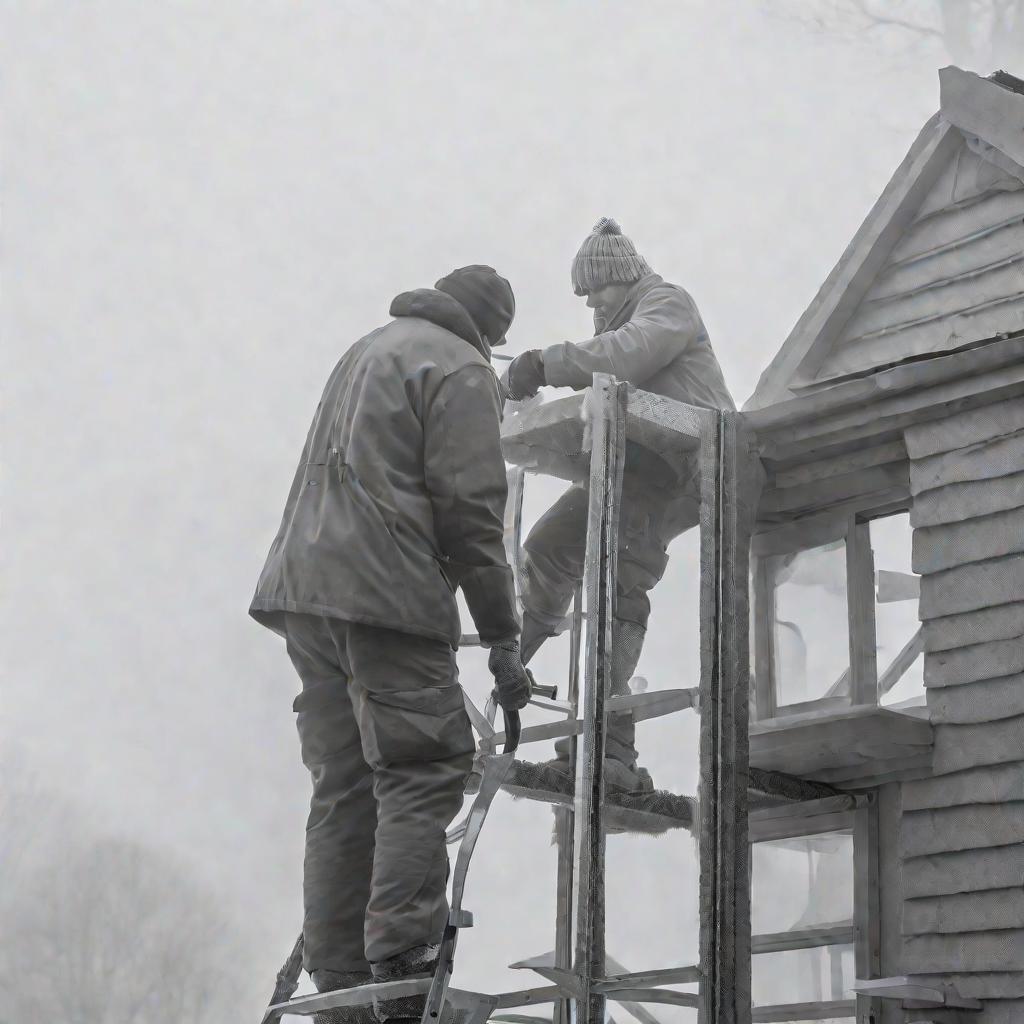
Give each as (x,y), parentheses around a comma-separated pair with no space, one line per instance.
(426,724)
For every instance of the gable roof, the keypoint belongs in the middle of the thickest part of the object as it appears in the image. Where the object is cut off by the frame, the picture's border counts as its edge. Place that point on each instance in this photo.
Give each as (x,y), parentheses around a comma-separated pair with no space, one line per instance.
(936,264)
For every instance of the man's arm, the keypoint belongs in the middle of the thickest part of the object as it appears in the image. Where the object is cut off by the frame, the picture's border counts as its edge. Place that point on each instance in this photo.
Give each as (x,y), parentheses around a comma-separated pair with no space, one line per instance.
(663,325)
(465,478)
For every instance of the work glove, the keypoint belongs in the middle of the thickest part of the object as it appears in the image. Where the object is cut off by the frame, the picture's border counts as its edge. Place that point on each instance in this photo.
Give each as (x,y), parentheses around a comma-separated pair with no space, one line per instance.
(511,680)
(525,375)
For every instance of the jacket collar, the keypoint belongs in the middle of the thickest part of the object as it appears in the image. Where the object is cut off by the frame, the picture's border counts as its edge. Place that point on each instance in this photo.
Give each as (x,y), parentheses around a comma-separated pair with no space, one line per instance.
(444,311)
(625,312)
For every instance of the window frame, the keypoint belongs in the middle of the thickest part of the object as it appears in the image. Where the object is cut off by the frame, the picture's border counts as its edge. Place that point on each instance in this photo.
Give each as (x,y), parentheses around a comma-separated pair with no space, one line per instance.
(863,824)
(852,529)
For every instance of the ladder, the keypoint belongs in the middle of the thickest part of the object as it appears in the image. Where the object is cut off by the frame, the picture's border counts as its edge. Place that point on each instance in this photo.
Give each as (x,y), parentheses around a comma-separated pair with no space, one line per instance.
(584,437)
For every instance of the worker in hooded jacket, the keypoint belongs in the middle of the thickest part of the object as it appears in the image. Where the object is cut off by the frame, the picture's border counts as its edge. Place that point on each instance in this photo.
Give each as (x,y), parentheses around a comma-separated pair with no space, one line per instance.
(398,501)
(647,332)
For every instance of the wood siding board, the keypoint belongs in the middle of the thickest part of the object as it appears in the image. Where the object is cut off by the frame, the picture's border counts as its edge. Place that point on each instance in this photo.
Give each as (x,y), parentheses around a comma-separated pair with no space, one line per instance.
(984,985)
(839,465)
(995,784)
(973,388)
(959,913)
(970,587)
(970,500)
(999,456)
(989,700)
(955,227)
(975,540)
(965,746)
(974,951)
(946,300)
(970,870)
(991,660)
(966,429)
(971,827)
(964,259)
(979,627)
(930,335)
(825,493)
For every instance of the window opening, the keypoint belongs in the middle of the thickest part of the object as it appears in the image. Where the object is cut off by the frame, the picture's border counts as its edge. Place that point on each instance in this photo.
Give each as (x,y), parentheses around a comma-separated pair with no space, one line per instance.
(810,625)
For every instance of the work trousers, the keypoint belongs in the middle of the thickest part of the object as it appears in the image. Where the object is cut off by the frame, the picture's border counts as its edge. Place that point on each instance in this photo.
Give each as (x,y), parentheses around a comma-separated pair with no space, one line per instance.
(388,744)
(651,515)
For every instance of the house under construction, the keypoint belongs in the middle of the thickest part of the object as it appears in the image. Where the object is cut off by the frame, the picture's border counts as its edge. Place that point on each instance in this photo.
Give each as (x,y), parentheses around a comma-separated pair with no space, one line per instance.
(861,593)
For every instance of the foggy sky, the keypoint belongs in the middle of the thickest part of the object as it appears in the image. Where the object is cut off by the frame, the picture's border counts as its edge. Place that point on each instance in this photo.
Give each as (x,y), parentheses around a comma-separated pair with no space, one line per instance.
(206,204)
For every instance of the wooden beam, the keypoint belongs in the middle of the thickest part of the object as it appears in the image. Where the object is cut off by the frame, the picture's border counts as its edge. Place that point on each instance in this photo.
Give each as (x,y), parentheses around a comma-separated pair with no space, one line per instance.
(804,1011)
(839,933)
(983,108)
(840,465)
(860,596)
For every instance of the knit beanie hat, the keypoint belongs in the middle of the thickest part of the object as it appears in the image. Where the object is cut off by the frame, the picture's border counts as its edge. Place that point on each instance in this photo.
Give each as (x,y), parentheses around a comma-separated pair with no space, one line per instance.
(605,257)
(486,296)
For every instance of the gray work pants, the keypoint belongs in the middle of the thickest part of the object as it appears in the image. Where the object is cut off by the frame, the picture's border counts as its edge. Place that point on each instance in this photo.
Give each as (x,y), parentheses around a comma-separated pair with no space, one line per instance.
(650,516)
(387,741)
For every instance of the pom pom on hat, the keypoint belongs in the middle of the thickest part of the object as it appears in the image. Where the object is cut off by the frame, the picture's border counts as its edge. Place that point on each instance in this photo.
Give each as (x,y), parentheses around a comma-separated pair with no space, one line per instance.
(607,226)
(607,256)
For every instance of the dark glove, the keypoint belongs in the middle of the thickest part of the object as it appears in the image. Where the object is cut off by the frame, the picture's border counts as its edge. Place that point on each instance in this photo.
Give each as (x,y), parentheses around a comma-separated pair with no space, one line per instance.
(526,375)
(511,680)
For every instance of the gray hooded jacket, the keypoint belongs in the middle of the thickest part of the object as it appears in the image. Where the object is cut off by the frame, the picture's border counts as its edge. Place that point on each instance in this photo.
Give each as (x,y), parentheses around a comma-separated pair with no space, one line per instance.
(400,493)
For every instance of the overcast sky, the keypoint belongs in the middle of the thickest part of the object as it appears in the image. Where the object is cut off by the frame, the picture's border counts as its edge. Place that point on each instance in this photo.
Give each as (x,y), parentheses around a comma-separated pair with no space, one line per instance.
(206,204)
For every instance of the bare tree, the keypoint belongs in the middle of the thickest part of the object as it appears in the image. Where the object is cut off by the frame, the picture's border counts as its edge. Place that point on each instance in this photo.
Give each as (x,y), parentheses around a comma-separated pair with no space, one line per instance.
(979,34)
(103,931)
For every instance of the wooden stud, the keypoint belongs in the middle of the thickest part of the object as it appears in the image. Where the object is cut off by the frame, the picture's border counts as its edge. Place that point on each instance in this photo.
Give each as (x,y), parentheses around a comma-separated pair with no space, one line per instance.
(860,595)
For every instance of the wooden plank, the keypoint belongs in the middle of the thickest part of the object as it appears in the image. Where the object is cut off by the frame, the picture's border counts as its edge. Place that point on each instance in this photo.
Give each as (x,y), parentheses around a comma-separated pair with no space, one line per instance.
(974,951)
(977,627)
(975,540)
(811,407)
(890,888)
(966,746)
(957,502)
(867,908)
(870,419)
(810,532)
(727,512)
(994,784)
(809,745)
(950,829)
(958,913)
(966,429)
(983,108)
(825,493)
(987,985)
(981,307)
(970,587)
(840,465)
(839,933)
(970,870)
(989,700)
(985,460)
(979,661)
(835,1010)
(860,588)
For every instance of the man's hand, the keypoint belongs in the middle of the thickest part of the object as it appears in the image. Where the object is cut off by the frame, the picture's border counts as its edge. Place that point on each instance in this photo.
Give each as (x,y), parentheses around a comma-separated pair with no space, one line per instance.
(511,680)
(526,375)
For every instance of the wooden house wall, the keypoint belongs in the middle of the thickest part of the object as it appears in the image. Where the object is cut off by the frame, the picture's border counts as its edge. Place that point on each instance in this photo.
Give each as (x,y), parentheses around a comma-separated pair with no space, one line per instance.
(962,831)
(956,275)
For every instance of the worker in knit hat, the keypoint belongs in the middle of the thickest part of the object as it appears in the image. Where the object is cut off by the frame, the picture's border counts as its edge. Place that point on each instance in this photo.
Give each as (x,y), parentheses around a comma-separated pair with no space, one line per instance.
(647,332)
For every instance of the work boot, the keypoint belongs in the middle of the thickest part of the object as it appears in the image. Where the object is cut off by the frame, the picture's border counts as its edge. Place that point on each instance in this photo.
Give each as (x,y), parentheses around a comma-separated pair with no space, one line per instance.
(620,775)
(418,962)
(331,981)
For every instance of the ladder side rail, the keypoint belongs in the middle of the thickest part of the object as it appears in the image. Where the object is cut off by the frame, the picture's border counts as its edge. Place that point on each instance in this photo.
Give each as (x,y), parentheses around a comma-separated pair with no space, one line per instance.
(606,427)
(728,486)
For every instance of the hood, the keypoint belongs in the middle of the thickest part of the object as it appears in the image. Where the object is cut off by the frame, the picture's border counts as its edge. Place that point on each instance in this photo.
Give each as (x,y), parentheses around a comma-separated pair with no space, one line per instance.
(629,304)
(442,310)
